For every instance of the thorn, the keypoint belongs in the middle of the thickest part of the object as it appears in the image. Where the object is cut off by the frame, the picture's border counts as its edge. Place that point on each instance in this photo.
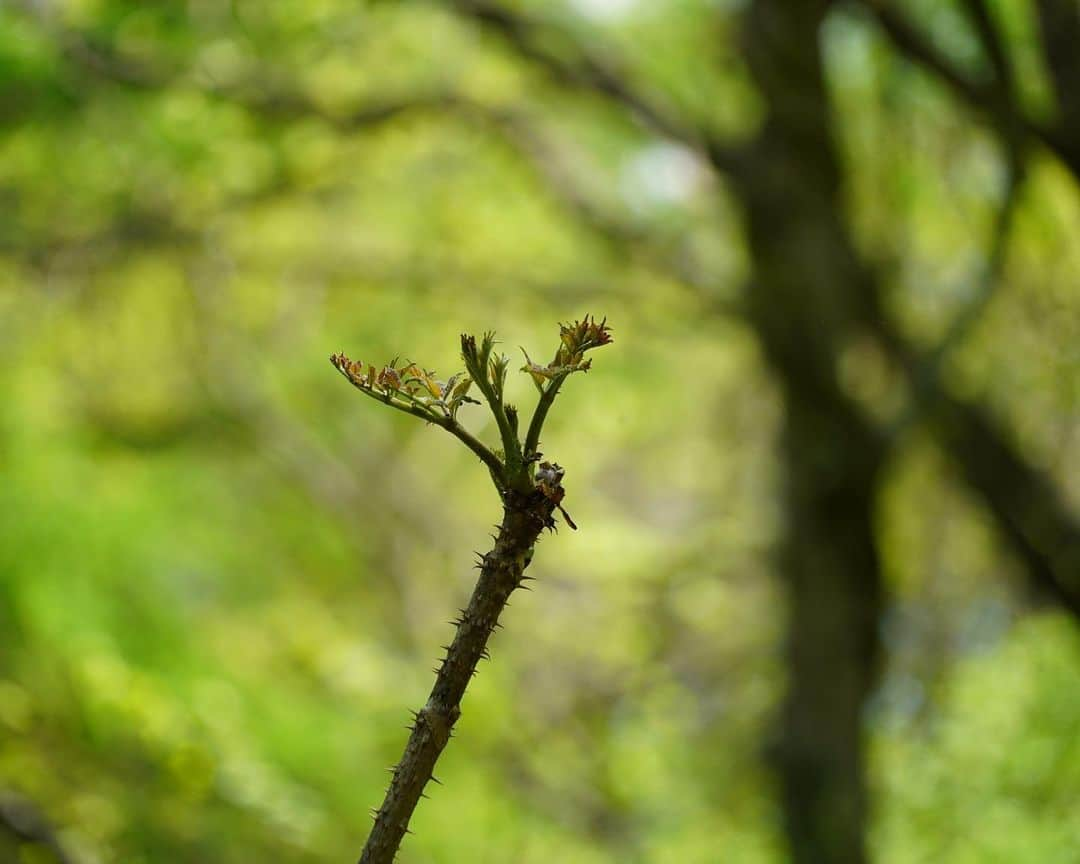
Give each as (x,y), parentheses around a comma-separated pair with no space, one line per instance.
(435,779)
(523,587)
(374,813)
(496,626)
(425,795)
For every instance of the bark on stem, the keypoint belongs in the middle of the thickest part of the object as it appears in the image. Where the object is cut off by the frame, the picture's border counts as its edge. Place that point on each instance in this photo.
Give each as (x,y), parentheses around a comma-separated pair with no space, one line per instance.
(501,570)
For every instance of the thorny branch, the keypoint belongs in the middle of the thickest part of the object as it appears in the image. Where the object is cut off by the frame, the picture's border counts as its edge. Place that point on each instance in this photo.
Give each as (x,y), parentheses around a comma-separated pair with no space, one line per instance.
(528,502)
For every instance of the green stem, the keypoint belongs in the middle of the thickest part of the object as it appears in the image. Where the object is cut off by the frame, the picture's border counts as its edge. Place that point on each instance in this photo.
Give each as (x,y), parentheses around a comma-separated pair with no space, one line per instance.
(477,364)
(495,466)
(511,446)
(536,424)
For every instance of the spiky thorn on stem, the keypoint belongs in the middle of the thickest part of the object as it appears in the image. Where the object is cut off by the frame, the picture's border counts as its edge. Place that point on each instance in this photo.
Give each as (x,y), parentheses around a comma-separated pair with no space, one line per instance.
(529,503)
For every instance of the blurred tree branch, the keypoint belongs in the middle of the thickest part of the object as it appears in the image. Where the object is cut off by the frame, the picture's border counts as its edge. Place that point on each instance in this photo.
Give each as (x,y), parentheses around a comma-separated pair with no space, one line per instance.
(22,819)
(993,46)
(986,283)
(588,70)
(523,134)
(1024,502)
(1059,29)
(925,371)
(992,101)
(1033,518)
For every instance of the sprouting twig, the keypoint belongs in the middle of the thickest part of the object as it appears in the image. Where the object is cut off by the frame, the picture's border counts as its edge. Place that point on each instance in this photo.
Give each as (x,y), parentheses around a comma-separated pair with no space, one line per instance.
(529,503)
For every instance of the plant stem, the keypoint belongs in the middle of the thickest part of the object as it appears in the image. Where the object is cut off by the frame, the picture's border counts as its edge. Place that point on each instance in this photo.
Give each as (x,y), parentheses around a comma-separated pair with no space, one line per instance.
(495,466)
(536,424)
(511,447)
(524,517)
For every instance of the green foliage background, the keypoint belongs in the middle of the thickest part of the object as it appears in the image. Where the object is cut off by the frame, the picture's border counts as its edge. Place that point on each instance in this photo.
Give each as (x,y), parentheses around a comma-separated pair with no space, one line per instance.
(224,575)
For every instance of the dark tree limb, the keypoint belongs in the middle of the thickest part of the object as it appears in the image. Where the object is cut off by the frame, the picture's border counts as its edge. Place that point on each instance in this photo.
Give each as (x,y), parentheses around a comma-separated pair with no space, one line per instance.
(987,282)
(22,819)
(991,101)
(585,69)
(1059,30)
(1029,510)
(258,92)
(1026,505)
(981,18)
(1034,519)
(521,133)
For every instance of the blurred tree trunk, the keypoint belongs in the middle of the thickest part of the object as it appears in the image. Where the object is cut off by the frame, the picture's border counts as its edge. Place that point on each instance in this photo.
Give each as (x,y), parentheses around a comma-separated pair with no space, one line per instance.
(809,291)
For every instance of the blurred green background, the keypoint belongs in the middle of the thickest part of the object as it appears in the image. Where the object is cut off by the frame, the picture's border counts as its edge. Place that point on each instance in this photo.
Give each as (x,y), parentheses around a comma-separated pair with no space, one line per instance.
(225,575)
